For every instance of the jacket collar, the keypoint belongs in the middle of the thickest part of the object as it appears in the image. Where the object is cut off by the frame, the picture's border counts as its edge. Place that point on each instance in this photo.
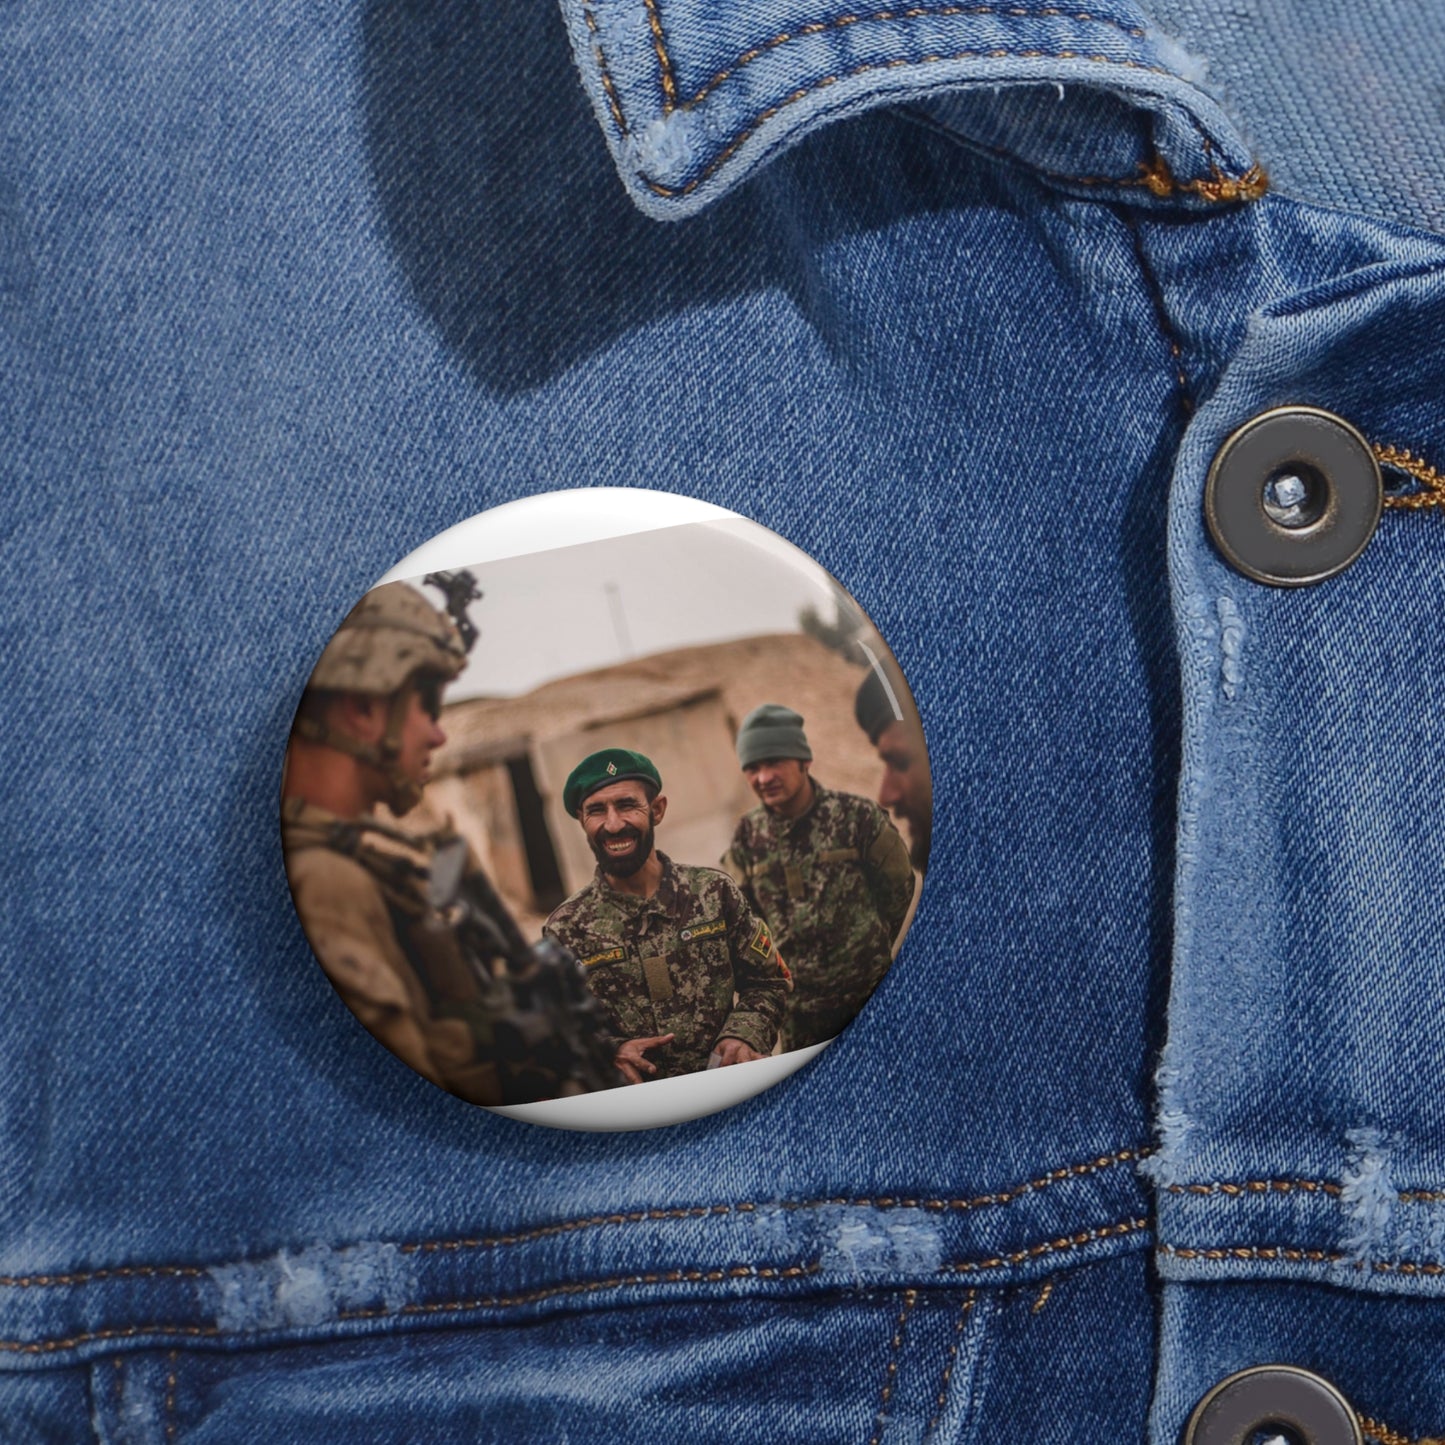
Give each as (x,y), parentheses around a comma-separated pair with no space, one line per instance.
(695,95)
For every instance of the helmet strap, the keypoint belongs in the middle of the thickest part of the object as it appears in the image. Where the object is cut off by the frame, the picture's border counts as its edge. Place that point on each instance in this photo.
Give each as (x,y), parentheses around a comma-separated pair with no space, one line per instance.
(402,794)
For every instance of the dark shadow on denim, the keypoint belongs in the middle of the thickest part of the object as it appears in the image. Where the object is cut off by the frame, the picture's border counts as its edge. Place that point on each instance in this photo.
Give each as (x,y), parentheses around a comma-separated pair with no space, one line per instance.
(509,221)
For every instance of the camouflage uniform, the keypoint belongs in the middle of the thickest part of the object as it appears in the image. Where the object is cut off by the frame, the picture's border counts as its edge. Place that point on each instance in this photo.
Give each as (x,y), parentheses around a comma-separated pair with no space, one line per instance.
(406,927)
(361,889)
(672,963)
(835,885)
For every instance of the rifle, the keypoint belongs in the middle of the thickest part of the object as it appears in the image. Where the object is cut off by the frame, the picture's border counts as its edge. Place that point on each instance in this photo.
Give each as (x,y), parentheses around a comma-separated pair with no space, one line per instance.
(554,1038)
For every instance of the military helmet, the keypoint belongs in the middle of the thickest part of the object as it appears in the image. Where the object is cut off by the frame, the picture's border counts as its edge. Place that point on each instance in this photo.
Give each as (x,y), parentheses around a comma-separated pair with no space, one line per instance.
(392,637)
(392,634)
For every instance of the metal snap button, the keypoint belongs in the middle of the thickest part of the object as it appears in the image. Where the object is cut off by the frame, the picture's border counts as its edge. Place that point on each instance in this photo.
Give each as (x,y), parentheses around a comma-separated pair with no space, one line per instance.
(1291,1402)
(1293,496)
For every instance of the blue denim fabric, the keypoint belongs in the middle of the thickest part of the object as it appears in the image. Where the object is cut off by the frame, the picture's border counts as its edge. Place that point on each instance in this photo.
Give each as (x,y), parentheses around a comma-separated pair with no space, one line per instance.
(285,295)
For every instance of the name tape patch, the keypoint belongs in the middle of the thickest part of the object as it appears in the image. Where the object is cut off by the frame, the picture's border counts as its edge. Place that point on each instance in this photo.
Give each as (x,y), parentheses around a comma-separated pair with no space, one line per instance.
(704,930)
(613,955)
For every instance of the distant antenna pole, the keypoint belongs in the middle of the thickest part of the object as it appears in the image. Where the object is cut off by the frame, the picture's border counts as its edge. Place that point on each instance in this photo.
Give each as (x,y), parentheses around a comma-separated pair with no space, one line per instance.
(619,619)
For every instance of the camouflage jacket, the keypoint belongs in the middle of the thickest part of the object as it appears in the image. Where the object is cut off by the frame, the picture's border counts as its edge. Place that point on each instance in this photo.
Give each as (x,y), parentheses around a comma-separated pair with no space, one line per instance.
(410,973)
(835,886)
(692,960)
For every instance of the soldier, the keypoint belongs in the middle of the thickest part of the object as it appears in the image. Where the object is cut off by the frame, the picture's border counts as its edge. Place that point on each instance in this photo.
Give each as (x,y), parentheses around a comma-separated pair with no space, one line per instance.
(827,870)
(893,728)
(674,953)
(407,928)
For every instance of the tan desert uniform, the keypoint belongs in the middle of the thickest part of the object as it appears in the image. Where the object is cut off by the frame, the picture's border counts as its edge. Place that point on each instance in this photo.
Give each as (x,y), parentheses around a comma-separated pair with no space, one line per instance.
(351,918)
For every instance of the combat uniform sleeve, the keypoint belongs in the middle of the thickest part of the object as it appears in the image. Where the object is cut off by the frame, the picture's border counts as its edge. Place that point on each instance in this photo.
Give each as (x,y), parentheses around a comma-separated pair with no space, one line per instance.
(349,927)
(760,977)
(735,864)
(889,873)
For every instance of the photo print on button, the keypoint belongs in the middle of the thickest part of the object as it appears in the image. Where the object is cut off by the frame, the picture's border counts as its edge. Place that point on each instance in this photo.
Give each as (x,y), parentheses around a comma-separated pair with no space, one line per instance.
(606,809)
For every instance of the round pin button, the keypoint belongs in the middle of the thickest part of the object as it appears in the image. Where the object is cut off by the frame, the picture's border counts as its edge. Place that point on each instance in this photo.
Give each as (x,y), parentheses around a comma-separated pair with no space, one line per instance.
(1279,1399)
(1293,496)
(606,809)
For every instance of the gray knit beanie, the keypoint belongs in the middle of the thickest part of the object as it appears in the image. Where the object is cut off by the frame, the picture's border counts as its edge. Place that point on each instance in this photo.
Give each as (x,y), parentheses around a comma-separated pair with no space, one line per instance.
(772,731)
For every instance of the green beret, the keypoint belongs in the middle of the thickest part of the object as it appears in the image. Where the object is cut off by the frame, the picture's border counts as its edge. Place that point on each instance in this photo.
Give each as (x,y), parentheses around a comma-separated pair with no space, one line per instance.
(597,770)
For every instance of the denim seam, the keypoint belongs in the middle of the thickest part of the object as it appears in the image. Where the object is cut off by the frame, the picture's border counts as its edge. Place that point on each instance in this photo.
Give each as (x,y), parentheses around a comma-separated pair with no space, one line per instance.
(1154,175)
(1161,313)
(996,1199)
(664,60)
(1157,177)
(1218,189)
(1215,1253)
(890,1375)
(170,1401)
(1234,1190)
(913,12)
(1433,495)
(667,74)
(613,101)
(536,1296)
(1044,1296)
(1053,1246)
(1237,1189)
(951,1360)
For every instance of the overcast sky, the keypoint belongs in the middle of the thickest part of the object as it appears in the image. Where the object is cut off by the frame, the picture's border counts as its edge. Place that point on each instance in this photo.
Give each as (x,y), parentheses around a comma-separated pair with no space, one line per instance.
(552,614)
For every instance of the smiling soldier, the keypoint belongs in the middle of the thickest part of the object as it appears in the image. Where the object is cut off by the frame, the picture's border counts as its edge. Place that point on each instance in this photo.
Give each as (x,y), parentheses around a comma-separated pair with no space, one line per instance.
(827,870)
(686,969)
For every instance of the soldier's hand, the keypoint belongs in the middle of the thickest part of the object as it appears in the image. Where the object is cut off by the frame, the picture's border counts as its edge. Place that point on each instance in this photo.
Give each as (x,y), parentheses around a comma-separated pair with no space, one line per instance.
(632,1061)
(734,1051)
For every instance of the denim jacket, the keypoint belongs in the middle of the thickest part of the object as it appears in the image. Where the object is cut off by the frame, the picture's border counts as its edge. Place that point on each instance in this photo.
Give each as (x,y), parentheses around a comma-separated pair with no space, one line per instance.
(961,299)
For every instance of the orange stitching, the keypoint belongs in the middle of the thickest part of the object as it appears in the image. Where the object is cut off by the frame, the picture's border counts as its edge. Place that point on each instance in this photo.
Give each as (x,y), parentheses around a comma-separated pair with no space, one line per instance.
(672,1276)
(1295,1255)
(119,1383)
(1387,1436)
(1148,173)
(664,60)
(1433,496)
(914,12)
(1161,313)
(1053,1246)
(128,1271)
(764,116)
(1234,1190)
(638,1216)
(1156,175)
(1043,1298)
(910,1298)
(1382,1433)
(1220,188)
(1253,1251)
(613,102)
(43,1347)
(952,1359)
(998,1198)
(171,1399)
(1258,1186)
